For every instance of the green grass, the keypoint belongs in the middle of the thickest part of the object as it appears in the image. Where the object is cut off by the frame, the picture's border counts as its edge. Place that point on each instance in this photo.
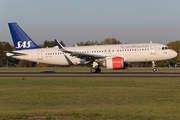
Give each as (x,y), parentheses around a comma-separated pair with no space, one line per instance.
(89,98)
(83,69)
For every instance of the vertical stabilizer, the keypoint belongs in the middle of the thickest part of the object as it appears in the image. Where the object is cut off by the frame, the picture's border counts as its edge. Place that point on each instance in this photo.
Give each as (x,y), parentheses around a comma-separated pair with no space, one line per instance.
(21,40)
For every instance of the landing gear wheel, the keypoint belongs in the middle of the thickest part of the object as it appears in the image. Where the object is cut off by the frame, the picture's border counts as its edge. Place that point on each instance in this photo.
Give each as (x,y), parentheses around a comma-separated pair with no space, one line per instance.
(93,70)
(98,70)
(154,69)
(153,65)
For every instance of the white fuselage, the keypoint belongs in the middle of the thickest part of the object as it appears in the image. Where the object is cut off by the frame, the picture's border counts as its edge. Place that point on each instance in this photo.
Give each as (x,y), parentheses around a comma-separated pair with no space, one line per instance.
(144,52)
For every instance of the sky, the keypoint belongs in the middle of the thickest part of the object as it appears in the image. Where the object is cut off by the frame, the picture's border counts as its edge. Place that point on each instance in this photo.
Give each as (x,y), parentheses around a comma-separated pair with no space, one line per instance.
(73,21)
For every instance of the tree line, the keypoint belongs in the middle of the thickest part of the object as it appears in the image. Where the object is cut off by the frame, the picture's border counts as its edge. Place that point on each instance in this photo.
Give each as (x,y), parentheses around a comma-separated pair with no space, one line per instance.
(11,62)
(106,41)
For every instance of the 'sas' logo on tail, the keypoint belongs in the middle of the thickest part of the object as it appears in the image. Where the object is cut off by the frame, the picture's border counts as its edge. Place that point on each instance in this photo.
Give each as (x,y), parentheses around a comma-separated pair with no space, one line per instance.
(24,44)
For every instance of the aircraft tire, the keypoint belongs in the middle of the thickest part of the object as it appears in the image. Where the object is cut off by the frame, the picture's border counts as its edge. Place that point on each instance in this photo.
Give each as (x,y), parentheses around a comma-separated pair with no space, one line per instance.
(154,69)
(93,70)
(98,70)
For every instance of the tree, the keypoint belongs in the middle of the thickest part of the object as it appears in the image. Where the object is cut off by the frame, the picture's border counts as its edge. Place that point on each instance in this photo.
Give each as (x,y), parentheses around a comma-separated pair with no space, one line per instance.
(4,60)
(52,43)
(1,54)
(49,43)
(105,42)
(110,41)
(62,43)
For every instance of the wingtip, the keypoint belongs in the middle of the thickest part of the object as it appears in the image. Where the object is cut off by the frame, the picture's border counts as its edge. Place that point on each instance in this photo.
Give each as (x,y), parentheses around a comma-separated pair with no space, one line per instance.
(59,45)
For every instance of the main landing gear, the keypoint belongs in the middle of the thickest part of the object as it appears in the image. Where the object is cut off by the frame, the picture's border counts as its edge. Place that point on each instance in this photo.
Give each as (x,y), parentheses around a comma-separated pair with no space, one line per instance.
(153,65)
(95,70)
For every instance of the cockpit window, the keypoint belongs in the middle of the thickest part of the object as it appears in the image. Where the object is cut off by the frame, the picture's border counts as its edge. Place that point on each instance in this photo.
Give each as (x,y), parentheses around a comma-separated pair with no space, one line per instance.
(165,48)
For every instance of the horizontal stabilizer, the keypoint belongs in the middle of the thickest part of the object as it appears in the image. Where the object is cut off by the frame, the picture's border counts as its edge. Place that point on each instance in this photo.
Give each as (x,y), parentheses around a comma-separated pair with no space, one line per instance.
(14,53)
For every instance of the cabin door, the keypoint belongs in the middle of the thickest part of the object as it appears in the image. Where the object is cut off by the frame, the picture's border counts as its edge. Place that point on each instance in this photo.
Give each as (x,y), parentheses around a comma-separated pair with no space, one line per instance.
(40,55)
(153,49)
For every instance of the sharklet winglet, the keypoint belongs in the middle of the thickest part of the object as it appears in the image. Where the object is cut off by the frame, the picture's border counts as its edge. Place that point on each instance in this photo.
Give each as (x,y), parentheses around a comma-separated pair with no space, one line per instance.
(59,45)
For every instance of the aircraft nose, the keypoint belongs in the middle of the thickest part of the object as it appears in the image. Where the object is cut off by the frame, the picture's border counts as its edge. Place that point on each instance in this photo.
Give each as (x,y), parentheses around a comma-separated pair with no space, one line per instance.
(174,54)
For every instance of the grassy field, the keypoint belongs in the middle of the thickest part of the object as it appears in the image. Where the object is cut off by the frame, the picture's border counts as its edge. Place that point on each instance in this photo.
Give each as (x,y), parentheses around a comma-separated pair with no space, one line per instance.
(83,69)
(89,98)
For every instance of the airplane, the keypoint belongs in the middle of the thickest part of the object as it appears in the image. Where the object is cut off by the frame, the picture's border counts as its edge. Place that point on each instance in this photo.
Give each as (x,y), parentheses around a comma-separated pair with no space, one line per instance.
(115,56)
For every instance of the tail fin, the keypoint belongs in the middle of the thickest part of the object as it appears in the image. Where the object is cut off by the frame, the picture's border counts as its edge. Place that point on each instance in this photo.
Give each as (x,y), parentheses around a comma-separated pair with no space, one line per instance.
(21,40)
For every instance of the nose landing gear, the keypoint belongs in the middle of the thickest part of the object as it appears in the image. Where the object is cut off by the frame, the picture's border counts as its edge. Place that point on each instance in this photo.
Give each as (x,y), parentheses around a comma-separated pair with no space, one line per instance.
(153,65)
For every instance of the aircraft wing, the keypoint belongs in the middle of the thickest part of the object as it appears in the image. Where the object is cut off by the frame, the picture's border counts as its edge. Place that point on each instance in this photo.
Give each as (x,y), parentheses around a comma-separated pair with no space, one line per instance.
(85,55)
(79,54)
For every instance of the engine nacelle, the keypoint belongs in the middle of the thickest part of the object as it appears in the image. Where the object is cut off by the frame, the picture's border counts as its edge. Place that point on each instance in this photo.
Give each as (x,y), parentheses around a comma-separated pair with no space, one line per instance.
(115,63)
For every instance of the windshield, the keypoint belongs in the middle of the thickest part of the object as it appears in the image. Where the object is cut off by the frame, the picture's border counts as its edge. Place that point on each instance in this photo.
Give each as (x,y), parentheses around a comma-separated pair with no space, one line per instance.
(165,48)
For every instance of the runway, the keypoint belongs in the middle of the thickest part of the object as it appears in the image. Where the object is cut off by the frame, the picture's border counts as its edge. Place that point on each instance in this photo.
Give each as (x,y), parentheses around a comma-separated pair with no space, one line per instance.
(54,74)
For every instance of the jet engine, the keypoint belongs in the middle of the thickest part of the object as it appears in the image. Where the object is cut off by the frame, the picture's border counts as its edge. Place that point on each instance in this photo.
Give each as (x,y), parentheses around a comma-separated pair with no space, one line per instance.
(115,63)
